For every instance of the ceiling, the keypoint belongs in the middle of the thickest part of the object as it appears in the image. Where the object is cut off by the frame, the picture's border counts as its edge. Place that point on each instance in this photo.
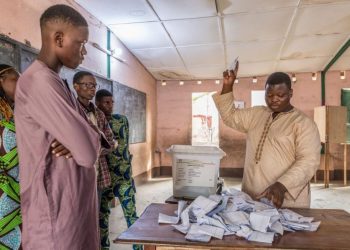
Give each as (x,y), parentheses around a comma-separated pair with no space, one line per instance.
(198,39)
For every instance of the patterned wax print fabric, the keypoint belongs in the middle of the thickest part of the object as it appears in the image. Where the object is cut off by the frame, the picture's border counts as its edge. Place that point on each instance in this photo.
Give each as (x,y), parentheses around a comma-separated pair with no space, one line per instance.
(10,217)
(123,187)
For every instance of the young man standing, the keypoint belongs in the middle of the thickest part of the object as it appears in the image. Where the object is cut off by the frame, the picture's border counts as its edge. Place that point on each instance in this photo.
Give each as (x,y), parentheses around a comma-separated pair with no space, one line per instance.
(58,194)
(85,85)
(119,162)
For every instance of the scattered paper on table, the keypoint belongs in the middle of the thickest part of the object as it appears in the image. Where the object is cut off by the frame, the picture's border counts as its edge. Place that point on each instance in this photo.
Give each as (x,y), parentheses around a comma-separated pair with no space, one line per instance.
(235,213)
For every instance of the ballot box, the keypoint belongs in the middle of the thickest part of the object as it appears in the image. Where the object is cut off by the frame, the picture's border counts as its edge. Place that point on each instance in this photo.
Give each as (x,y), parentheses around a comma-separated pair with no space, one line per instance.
(195,170)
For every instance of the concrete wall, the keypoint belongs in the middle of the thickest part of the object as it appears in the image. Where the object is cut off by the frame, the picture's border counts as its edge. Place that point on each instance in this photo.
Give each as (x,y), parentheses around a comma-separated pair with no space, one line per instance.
(19,20)
(174,113)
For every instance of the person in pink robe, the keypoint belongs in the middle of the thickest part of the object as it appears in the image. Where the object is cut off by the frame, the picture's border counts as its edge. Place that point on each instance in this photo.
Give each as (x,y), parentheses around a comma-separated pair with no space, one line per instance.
(58,194)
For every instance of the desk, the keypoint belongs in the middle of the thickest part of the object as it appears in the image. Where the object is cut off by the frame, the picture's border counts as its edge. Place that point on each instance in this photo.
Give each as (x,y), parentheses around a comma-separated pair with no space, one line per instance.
(333,233)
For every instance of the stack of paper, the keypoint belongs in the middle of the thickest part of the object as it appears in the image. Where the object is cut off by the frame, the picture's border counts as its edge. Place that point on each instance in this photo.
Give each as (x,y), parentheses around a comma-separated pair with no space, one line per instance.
(234,212)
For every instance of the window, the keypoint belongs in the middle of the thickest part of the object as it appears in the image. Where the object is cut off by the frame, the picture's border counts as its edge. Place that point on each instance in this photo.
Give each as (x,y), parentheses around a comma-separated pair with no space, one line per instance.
(205,120)
(258,98)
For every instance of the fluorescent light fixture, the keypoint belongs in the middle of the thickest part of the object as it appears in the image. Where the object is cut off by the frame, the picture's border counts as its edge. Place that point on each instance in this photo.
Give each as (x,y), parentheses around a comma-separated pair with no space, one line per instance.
(314,76)
(163,83)
(108,52)
(294,78)
(342,75)
(255,79)
(217,81)
(117,52)
(236,81)
(181,82)
(199,82)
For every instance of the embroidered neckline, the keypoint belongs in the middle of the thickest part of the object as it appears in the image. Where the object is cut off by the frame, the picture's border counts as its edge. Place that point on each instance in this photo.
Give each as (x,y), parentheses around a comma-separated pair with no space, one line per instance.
(267,126)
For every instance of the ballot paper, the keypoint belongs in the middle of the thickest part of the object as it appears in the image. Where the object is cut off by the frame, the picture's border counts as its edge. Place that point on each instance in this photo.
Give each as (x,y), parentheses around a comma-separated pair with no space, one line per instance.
(206,220)
(314,226)
(194,235)
(185,218)
(263,204)
(235,213)
(233,228)
(166,219)
(261,237)
(259,222)
(244,232)
(233,64)
(201,206)
(163,218)
(183,229)
(277,227)
(215,197)
(215,232)
(290,215)
(235,218)
(294,221)
(220,207)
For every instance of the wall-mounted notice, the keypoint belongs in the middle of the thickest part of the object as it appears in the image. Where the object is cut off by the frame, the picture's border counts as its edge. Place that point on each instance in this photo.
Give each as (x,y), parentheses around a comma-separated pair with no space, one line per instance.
(195,173)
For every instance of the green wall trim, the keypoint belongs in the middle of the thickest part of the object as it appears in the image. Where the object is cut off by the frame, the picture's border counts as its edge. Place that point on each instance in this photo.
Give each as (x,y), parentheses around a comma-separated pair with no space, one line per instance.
(108,56)
(324,71)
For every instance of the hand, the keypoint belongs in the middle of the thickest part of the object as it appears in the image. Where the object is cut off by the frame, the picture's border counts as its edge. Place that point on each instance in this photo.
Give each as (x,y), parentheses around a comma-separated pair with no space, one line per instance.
(59,150)
(230,76)
(229,79)
(274,193)
(115,144)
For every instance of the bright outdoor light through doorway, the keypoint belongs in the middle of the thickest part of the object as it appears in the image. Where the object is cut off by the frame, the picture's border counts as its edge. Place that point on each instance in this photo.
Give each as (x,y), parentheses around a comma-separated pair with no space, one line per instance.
(205,120)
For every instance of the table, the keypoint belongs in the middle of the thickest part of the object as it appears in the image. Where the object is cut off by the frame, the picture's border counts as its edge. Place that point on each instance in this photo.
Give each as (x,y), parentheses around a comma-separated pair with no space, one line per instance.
(345,162)
(333,233)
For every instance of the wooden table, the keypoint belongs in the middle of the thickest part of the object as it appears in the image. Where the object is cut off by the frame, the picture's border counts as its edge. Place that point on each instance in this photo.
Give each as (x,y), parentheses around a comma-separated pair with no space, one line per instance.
(345,162)
(333,233)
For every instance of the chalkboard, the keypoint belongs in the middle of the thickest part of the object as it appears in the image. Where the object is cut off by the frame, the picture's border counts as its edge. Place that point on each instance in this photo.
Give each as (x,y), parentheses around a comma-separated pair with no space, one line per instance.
(8,53)
(27,57)
(104,83)
(131,103)
(67,74)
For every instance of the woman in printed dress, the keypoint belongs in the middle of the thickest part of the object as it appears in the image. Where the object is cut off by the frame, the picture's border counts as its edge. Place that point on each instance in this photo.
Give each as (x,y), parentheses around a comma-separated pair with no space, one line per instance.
(10,216)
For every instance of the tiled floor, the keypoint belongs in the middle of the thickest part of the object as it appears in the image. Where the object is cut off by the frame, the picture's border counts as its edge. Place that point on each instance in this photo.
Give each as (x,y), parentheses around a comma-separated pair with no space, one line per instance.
(158,190)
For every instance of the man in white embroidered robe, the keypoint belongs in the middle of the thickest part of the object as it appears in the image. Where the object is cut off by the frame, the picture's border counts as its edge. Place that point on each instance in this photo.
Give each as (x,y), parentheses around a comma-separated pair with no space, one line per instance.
(283,144)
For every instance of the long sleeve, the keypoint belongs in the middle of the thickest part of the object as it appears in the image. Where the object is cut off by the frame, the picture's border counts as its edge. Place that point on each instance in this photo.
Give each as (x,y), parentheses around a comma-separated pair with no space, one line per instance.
(238,119)
(56,115)
(307,161)
(107,131)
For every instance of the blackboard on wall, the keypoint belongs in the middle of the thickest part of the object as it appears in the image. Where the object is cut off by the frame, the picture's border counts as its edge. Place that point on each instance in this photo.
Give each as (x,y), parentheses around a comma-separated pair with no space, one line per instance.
(16,54)
(67,74)
(131,103)
(27,57)
(104,83)
(8,53)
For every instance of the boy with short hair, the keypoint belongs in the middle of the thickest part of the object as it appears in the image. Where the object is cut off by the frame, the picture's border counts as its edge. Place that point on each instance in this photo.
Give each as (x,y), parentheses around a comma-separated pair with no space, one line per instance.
(58,194)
